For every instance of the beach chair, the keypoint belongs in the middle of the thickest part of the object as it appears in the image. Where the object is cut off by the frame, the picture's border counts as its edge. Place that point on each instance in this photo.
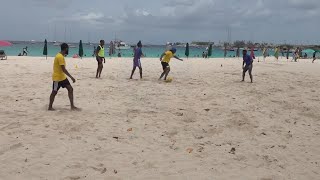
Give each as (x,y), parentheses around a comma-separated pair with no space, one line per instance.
(3,55)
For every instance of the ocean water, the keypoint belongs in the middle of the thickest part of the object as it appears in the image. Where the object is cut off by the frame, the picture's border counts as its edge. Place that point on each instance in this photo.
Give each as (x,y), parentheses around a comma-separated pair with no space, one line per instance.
(149,51)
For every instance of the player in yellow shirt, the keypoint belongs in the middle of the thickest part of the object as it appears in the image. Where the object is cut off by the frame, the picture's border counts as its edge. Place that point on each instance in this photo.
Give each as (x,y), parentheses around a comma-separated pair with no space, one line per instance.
(59,77)
(165,59)
(100,58)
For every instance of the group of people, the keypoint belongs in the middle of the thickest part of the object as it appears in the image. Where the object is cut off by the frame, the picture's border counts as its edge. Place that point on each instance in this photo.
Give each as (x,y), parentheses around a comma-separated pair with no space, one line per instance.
(298,54)
(60,73)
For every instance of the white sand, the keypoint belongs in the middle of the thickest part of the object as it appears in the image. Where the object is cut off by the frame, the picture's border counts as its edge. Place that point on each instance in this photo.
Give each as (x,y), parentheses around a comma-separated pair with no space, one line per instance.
(273,124)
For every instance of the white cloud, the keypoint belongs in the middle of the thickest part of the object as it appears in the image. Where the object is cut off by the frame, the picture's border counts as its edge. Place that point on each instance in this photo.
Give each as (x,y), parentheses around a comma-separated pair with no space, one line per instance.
(184,19)
(91,18)
(180,3)
(304,4)
(142,12)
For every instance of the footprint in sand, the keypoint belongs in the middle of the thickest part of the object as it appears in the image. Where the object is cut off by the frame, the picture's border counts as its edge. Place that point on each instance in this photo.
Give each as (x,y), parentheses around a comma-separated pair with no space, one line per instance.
(172,133)
(11,148)
(10,126)
(189,116)
(178,114)
(101,170)
(133,113)
(72,178)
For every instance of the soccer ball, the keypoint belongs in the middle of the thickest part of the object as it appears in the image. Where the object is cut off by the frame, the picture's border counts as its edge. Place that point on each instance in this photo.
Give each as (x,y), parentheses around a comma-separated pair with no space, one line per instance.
(169,79)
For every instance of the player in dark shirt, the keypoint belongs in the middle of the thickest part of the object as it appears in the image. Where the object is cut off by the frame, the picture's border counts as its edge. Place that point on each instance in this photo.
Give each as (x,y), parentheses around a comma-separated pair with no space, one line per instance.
(247,65)
(136,60)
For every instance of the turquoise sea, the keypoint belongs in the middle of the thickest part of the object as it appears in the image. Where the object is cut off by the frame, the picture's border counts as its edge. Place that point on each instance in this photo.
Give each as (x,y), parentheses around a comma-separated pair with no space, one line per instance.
(150,51)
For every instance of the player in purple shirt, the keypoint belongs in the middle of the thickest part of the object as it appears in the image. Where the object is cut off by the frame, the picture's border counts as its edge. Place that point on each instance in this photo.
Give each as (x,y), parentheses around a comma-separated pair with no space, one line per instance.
(136,60)
(247,65)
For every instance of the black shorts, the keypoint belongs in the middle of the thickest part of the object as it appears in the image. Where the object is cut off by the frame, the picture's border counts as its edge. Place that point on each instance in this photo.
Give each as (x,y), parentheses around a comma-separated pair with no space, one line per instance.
(248,68)
(99,59)
(58,84)
(164,65)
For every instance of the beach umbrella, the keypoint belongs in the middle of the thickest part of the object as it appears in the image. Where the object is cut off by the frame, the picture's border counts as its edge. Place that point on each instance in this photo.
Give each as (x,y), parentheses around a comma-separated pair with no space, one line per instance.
(210,50)
(45,49)
(80,49)
(308,51)
(5,43)
(187,50)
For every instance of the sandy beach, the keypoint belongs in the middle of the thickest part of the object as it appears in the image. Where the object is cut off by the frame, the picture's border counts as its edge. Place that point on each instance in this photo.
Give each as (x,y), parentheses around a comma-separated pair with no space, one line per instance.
(204,125)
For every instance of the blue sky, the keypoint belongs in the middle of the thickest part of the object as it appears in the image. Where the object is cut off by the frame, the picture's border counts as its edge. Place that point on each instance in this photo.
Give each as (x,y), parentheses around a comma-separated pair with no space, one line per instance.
(159,21)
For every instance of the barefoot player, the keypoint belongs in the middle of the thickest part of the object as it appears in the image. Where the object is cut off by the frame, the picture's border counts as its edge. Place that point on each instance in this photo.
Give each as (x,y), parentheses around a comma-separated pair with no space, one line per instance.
(100,58)
(136,60)
(247,65)
(165,59)
(59,77)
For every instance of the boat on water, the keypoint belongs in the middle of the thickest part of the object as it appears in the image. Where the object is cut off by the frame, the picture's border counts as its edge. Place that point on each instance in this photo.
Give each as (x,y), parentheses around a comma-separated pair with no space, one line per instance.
(194,45)
(55,43)
(71,46)
(120,45)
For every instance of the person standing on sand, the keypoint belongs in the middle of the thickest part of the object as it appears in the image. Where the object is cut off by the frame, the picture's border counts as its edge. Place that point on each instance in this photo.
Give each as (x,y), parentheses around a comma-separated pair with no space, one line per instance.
(293,56)
(59,77)
(165,59)
(264,53)
(314,56)
(247,65)
(276,53)
(100,58)
(136,60)
(238,52)
(298,54)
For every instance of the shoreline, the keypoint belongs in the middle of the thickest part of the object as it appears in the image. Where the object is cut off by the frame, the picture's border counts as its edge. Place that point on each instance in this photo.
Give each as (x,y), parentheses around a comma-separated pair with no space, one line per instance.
(258,58)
